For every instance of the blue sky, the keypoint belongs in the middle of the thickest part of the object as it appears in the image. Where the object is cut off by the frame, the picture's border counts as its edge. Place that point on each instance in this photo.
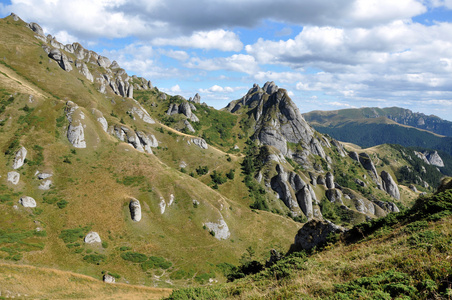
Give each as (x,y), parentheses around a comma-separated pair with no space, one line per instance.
(328,54)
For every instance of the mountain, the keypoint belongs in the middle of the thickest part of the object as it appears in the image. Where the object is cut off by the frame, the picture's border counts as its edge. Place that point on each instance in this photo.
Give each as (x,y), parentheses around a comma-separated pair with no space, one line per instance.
(104,175)
(399,115)
(365,127)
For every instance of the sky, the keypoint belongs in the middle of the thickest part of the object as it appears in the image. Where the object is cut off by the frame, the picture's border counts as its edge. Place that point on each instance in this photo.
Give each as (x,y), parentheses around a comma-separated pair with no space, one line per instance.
(328,54)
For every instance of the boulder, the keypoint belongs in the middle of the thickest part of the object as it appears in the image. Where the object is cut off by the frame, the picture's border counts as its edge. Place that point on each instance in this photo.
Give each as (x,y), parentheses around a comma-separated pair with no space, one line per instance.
(36,28)
(19,158)
(13,177)
(201,143)
(92,237)
(315,233)
(108,278)
(15,17)
(43,175)
(26,201)
(135,210)
(321,180)
(353,155)
(197,98)
(413,188)
(389,185)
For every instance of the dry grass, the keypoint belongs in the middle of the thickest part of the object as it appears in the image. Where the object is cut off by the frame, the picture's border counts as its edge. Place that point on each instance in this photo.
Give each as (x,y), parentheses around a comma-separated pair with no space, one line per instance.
(35,282)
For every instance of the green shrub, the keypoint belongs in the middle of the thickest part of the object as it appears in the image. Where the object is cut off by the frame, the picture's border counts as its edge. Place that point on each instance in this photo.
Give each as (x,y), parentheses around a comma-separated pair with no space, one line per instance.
(94,258)
(134,256)
(62,204)
(72,235)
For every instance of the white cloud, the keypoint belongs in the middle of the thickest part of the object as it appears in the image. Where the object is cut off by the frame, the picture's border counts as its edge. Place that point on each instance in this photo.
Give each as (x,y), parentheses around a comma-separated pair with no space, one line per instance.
(220,89)
(214,39)
(176,54)
(236,63)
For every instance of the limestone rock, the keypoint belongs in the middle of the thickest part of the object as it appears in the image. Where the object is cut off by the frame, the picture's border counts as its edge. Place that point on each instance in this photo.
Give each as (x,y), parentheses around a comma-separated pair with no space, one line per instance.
(387,206)
(197,98)
(100,118)
(162,205)
(135,210)
(15,17)
(13,177)
(334,195)
(353,155)
(61,59)
(148,141)
(45,185)
(188,126)
(389,185)
(76,136)
(19,158)
(220,228)
(315,232)
(434,159)
(201,143)
(92,237)
(108,278)
(36,28)
(75,131)
(141,113)
(304,200)
(103,61)
(329,180)
(26,201)
(413,188)
(44,175)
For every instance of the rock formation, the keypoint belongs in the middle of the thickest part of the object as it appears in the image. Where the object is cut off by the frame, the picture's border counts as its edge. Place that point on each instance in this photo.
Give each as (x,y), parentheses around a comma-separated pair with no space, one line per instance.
(26,201)
(329,180)
(13,177)
(184,109)
(108,278)
(19,158)
(201,143)
(314,233)
(92,237)
(389,185)
(135,210)
(220,229)
(75,131)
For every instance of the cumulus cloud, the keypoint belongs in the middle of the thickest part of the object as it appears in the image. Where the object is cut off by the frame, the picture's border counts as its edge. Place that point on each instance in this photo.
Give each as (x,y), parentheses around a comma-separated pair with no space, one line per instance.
(219,89)
(216,39)
(236,63)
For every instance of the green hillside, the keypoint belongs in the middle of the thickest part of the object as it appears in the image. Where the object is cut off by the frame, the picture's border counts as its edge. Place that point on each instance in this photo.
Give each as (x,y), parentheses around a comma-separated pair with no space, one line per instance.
(102,175)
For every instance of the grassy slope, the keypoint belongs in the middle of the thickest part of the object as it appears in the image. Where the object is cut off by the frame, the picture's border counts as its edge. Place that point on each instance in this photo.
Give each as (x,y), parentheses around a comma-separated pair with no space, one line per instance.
(401,255)
(99,181)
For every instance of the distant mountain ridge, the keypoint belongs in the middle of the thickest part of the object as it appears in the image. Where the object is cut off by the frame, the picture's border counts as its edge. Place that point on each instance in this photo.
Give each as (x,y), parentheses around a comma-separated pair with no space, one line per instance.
(397,114)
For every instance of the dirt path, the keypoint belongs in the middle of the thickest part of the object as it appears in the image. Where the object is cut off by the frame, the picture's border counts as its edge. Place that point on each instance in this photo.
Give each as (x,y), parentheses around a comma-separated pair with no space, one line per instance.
(10,80)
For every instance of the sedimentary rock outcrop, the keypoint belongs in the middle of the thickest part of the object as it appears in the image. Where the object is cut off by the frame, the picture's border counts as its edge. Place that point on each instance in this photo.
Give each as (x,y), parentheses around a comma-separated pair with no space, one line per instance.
(135,210)
(75,131)
(389,185)
(201,143)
